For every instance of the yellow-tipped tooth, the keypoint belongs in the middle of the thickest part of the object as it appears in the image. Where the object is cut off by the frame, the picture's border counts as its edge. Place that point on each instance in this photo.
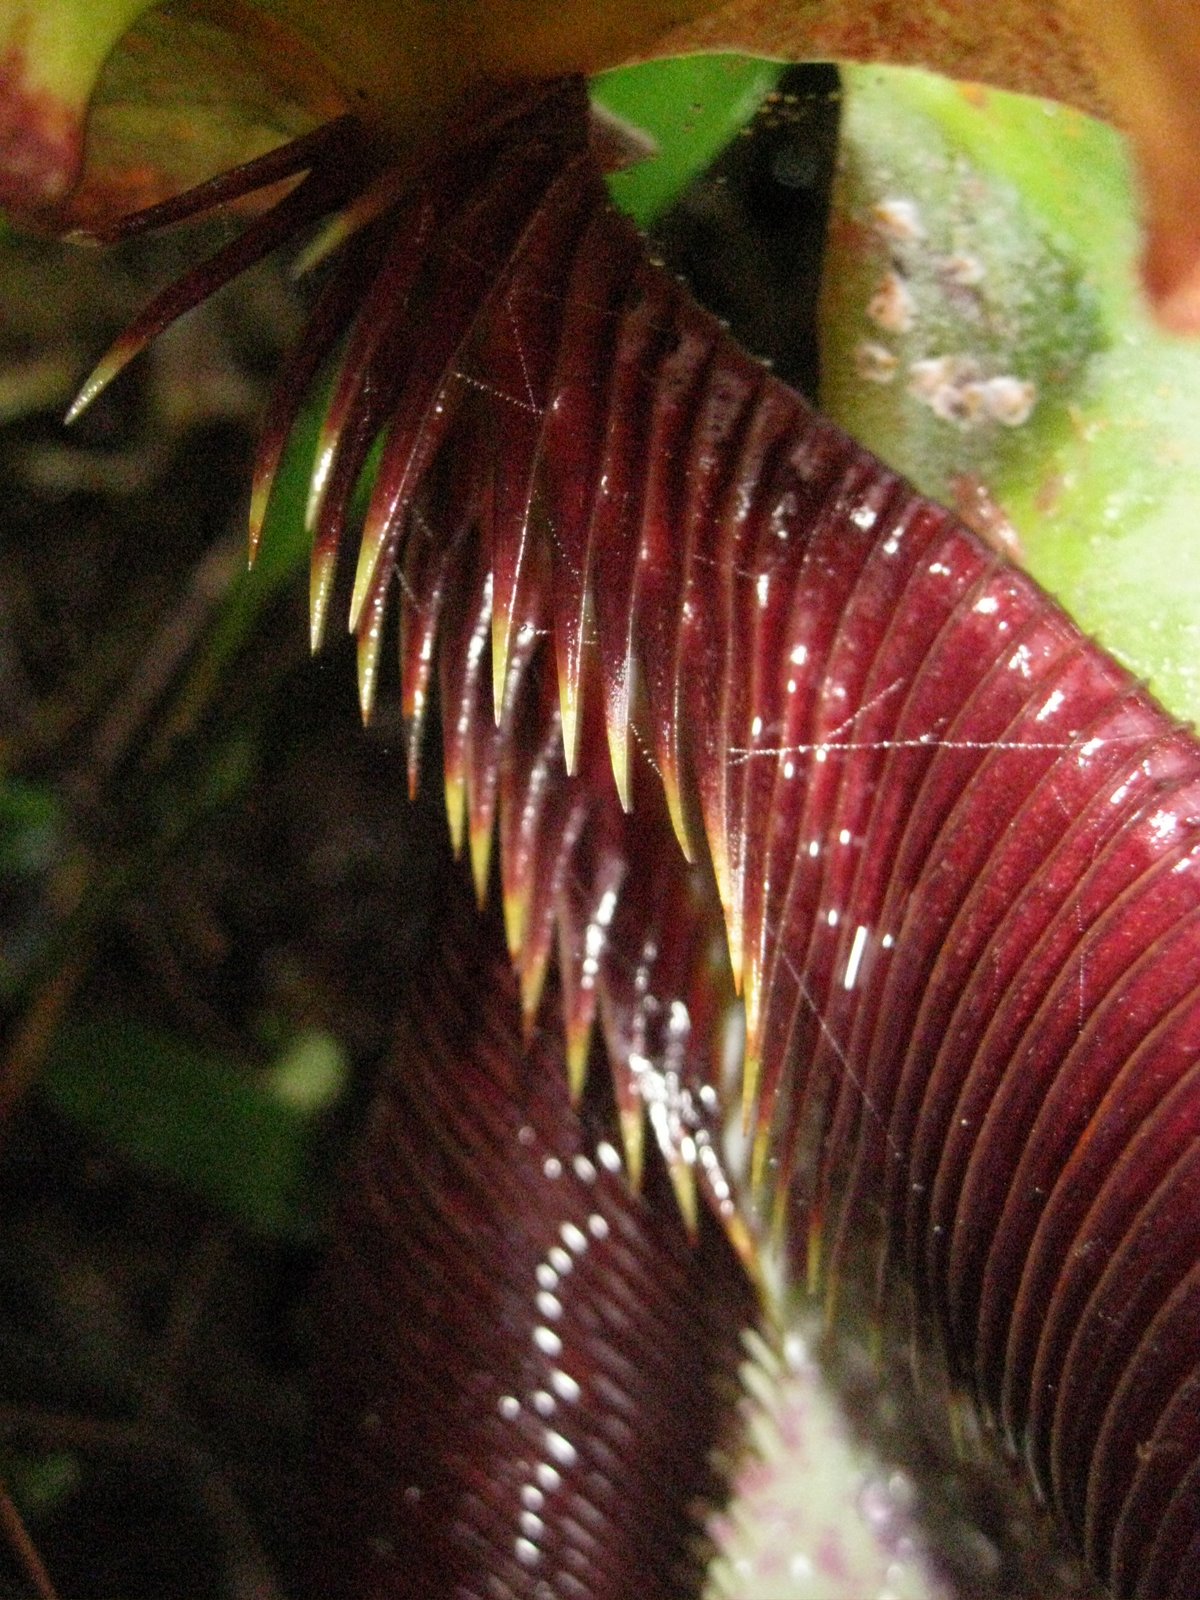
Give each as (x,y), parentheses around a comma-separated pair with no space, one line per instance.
(720,860)
(369,554)
(744,1244)
(675,811)
(579,1044)
(501,635)
(320,590)
(751,1072)
(683,1182)
(332,236)
(568,705)
(633,1137)
(322,464)
(368,674)
(760,1152)
(260,498)
(480,845)
(737,949)
(752,996)
(515,909)
(456,812)
(618,755)
(533,981)
(102,374)
(344,224)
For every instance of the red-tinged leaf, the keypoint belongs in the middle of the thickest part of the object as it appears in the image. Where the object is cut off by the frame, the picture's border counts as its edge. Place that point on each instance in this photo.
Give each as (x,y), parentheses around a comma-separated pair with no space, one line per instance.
(166,97)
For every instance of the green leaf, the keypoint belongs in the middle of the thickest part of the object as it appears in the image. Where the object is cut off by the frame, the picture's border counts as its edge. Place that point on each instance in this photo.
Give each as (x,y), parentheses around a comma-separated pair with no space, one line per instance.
(1101,481)
(691,106)
(51,54)
(243,1145)
(31,847)
(30,828)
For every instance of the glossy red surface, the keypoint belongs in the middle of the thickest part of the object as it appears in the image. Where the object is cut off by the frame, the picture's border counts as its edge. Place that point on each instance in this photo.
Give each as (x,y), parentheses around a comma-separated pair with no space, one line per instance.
(955,850)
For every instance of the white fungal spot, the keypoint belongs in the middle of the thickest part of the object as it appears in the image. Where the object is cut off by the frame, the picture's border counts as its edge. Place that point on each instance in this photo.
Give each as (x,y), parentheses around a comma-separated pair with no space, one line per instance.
(960,270)
(898,220)
(1009,400)
(956,390)
(951,386)
(875,362)
(892,306)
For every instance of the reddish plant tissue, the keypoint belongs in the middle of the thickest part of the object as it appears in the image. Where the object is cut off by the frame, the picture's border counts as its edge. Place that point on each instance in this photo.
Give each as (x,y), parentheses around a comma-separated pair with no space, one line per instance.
(525,1365)
(39,138)
(954,848)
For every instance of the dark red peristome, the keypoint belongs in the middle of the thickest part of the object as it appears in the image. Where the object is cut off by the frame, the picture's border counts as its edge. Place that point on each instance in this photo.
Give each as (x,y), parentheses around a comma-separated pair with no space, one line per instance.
(955,847)
(524,1367)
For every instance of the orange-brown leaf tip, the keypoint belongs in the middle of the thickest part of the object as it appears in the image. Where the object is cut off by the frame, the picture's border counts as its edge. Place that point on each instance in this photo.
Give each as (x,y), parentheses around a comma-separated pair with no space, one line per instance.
(1171,270)
(1146,55)
(737,942)
(720,862)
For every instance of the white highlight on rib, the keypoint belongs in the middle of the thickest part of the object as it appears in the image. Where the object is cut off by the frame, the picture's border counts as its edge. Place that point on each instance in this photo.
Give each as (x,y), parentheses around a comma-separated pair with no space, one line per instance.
(854,959)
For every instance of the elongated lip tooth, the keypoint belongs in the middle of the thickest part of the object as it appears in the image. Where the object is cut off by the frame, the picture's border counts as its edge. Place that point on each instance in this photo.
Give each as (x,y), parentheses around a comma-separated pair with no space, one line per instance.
(102,374)
(633,1137)
(321,578)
